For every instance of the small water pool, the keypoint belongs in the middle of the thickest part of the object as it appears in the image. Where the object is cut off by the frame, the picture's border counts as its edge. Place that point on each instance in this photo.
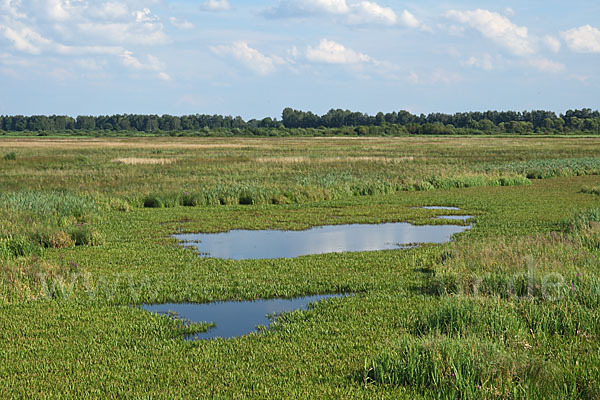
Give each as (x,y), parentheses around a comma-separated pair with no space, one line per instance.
(268,244)
(234,318)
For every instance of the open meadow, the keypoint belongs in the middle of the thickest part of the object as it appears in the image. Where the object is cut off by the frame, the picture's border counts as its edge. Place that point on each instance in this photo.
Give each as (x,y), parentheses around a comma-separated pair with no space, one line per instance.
(506,310)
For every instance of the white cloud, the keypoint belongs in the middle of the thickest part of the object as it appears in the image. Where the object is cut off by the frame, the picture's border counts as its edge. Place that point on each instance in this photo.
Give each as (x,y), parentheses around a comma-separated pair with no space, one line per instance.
(25,39)
(163,76)
(331,52)
(10,9)
(545,65)
(58,9)
(73,28)
(216,5)
(145,15)
(367,12)
(509,12)
(585,39)
(409,20)
(145,33)
(85,50)
(552,43)
(152,64)
(181,24)
(250,57)
(354,12)
(484,62)
(330,6)
(89,23)
(497,28)
(111,11)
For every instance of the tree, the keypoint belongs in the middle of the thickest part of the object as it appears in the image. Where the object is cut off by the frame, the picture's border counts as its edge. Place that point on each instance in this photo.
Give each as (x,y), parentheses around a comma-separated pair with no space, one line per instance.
(85,122)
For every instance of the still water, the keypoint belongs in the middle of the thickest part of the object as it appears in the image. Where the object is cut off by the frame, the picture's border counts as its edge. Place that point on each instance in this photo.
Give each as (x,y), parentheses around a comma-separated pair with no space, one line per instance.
(234,318)
(248,244)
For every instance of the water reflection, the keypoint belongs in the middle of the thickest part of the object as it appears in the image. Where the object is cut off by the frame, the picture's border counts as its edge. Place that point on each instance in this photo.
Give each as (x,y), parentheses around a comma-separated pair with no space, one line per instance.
(247,244)
(234,318)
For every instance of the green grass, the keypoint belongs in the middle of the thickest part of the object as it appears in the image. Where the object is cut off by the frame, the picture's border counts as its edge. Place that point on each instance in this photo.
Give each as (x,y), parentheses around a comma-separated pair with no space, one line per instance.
(549,168)
(591,190)
(11,156)
(506,310)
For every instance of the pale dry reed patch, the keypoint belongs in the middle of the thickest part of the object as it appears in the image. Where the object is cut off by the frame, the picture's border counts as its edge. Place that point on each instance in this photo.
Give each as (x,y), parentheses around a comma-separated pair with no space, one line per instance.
(329,160)
(134,143)
(143,161)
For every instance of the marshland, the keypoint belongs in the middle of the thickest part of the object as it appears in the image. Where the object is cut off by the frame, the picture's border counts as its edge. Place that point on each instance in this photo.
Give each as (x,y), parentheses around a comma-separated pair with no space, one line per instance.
(506,309)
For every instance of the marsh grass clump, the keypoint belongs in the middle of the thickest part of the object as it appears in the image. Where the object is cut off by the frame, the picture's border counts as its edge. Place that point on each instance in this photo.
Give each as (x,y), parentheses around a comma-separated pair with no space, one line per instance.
(11,156)
(591,190)
(49,204)
(18,246)
(548,168)
(153,201)
(478,180)
(84,235)
(315,188)
(466,368)
(52,238)
(584,228)
(584,220)
(30,221)
(466,316)
(29,279)
(566,318)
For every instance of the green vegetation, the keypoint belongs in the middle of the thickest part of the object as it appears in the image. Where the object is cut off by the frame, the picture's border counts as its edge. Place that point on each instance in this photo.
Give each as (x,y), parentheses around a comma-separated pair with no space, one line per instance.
(30,220)
(12,156)
(301,123)
(542,169)
(507,310)
(591,190)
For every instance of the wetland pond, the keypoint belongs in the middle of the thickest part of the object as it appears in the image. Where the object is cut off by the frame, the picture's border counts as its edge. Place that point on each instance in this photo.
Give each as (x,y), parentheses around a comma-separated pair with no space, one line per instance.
(237,318)
(267,244)
(234,318)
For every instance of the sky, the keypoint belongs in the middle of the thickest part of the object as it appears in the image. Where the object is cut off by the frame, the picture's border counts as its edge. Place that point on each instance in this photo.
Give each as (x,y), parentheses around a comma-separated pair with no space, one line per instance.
(254,58)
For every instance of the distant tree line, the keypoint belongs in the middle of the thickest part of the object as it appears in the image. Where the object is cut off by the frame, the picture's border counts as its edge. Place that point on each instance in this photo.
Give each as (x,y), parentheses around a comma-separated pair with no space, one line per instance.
(296,122)
(437,123)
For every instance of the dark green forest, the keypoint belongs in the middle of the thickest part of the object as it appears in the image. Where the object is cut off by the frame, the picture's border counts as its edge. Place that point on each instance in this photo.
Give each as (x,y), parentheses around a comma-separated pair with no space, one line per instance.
(298,123)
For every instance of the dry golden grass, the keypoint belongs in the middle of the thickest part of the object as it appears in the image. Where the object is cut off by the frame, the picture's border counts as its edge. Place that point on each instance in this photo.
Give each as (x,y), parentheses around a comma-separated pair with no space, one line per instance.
(137,143)
(328,160)
(143,161)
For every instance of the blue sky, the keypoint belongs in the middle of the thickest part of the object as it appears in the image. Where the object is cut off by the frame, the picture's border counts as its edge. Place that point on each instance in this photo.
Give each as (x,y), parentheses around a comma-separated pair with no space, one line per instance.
(253,58)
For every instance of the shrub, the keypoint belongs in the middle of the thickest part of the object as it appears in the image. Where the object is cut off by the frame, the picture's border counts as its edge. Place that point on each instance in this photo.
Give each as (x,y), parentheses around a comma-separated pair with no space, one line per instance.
(60,240)
(83,235)
(584,220)
(18,247)
(591,190)
(10,156)
(153,201)
(191,200)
